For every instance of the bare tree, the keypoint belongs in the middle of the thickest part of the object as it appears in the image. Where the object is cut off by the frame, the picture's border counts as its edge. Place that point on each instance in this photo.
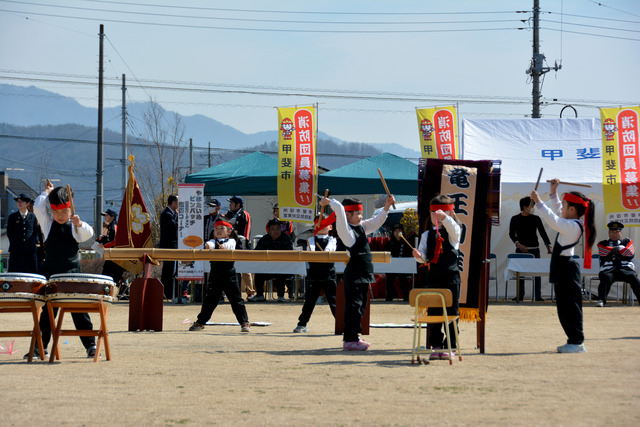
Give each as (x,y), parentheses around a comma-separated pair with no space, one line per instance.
(163,135)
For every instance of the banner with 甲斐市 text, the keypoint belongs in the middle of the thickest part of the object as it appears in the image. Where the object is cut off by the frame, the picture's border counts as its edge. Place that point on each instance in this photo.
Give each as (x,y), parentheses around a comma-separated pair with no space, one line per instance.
(190,225)
(620,164)
(297,169)
(438,129)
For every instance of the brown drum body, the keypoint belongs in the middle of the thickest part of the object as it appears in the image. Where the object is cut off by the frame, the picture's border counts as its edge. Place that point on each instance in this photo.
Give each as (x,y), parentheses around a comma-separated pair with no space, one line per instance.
(13,283)
(80,283)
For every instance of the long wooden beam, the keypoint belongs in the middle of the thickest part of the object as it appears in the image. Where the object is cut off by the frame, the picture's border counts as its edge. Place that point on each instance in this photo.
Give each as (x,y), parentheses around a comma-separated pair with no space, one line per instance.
(121,254)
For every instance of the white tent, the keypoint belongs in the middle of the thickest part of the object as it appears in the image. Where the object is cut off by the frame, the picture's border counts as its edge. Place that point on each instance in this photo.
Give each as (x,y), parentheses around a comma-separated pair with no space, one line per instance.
(567,149)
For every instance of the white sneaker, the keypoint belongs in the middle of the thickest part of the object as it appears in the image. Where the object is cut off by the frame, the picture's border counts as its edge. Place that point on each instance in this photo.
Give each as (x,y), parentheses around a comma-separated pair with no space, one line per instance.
(600,303)
(572,348)
(300,329)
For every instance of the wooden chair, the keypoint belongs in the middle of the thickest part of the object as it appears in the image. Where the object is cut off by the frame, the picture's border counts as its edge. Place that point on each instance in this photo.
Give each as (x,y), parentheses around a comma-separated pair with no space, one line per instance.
(423,299)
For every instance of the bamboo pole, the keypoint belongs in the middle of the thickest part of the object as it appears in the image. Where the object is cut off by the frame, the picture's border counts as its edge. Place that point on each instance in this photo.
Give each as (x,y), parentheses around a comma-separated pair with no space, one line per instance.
(121,254)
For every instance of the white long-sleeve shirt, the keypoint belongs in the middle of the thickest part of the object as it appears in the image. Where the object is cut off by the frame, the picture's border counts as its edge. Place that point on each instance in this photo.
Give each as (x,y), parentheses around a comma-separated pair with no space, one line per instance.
(344,230)
(568,228)
(454,232)
(332,244)
(229,244)
(82,233)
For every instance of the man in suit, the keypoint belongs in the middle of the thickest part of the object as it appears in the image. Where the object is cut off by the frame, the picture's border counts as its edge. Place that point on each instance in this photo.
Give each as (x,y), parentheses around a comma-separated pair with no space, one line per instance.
(616,263)
(169,240)
(22,231)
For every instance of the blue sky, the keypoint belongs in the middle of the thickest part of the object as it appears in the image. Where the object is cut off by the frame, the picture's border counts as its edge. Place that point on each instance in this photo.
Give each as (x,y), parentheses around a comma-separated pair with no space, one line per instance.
(344,48)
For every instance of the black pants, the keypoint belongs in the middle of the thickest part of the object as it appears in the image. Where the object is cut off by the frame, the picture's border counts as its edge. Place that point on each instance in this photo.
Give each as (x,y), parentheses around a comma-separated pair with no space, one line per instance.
(112,270)
(405,284)
(81,321)
(168,271)
(355,295)
(311,294)
(617,275)
(231,287)
(568,291)
(537,280)
(280,281)
(437,338)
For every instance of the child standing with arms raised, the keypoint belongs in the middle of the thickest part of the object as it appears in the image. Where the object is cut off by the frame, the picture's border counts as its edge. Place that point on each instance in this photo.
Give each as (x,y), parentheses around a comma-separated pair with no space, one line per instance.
(438,247)
(62,233)
(223,277)
(321,276)
(358,274)
(564,270)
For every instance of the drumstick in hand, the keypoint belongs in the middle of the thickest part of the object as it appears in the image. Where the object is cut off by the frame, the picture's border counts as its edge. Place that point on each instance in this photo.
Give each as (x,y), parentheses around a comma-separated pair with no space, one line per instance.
(402,235)
(326,194)
(73,209)
(384,183)
(572,183)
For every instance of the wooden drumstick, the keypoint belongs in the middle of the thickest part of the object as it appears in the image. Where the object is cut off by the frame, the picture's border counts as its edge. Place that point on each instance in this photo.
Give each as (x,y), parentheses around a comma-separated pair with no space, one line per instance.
(402,235)
(73,209)
(384,183)
(532,203)
(572,183)
(326,194)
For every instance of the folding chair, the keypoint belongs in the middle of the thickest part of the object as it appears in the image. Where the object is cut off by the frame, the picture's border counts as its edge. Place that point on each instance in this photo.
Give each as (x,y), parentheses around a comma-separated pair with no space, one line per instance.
(422,300)
(493,275)
(515,277)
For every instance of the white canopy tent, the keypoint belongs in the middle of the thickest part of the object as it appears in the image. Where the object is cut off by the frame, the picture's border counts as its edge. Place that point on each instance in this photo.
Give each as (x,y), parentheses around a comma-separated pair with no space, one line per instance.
(567,149)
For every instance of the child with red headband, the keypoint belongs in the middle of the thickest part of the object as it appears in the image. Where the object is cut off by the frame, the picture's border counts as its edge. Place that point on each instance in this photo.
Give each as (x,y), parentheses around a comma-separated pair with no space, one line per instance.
(62,233)
(438,248)
(223,277)
(358,274)
(321,276)
(564,270)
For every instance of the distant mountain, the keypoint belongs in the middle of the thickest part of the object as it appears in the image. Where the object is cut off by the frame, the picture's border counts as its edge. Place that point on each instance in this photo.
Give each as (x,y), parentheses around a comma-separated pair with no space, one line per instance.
(31,106)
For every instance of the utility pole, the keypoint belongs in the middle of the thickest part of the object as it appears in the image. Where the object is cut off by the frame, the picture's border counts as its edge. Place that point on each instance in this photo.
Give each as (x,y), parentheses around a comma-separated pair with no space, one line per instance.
(209,154)
(190,155)
(124,137)
(537,68)
(100,166)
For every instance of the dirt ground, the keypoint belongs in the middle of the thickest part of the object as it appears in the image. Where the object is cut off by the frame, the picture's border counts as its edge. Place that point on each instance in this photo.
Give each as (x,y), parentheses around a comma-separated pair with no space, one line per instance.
(274,377)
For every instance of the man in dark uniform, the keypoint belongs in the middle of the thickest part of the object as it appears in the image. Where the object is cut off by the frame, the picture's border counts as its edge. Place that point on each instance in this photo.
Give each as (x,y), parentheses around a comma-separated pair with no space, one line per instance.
(522,231)
(241,221)
(23,231)
(169,240)
(110,268)
(210,219)
(616,263)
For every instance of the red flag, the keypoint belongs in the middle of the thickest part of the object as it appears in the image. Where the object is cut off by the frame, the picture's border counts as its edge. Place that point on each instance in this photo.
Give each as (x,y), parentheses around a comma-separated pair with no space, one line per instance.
(134,225)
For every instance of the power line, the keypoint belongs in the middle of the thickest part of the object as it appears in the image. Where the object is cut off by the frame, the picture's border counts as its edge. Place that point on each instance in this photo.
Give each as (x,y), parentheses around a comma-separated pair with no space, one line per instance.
(591,34)
(277,30)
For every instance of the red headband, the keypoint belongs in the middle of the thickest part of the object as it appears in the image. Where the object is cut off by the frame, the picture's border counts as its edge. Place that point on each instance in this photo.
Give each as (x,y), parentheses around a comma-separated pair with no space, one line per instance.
(221,222)
(353,208)
(319,225)
(60,206)
(572,198)
(446,208)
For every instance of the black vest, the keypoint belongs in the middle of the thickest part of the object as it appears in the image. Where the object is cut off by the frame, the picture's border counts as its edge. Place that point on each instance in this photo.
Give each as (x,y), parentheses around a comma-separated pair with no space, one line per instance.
(321,270)
(563,268)
(222,268)
(446,270)
(360,266)
(61,251)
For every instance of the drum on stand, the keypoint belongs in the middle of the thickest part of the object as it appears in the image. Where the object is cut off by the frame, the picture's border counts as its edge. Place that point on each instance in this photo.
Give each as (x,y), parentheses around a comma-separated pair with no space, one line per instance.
(76,287)
(80,293)
(23,293)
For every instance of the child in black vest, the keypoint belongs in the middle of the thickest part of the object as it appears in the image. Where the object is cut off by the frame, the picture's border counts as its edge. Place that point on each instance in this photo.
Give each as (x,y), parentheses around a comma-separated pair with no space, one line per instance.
(438,247)
(564,271)
(321,276)
(223,277)
(358,274)
(62,233)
